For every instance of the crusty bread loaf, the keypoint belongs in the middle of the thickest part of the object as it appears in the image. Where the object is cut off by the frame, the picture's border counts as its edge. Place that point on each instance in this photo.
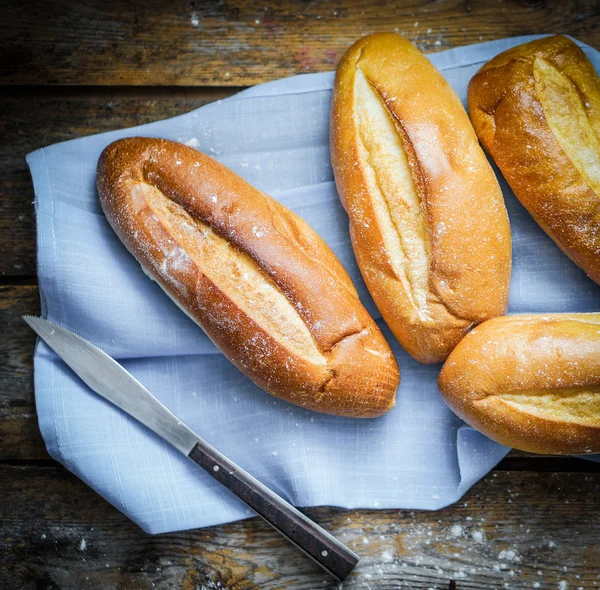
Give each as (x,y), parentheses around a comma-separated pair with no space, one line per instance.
(531,382)
(259,281)
(536,109)
(427,218)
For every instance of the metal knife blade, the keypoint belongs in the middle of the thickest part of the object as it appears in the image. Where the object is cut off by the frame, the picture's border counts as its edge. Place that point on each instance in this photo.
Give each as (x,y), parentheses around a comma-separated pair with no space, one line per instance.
(111,381)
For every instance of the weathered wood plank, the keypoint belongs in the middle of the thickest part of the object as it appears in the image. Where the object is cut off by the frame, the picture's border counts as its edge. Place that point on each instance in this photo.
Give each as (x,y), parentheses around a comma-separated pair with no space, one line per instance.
(30,121)
(20,436)
(240,42)
(517,530)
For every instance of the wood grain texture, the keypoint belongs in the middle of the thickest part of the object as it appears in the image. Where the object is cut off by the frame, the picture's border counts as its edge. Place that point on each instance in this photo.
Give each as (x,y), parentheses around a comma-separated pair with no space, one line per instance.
(30,121)
(512,530)
(328,552)
(243,42)
(84,67)
(20,436)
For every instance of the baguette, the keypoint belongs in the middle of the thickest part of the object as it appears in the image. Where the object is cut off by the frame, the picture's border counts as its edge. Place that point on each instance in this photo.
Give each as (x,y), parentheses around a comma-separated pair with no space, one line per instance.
(427,219)
(531,382)
(536,110)
(259,281)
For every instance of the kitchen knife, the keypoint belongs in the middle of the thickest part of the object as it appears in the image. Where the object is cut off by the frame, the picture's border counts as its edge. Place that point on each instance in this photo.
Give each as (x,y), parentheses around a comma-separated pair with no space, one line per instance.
(106,377)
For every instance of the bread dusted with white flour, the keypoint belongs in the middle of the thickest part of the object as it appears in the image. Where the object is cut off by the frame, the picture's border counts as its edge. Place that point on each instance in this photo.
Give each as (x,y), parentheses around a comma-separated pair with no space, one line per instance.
(259,281)
(531,382)
(536,109)
(427,218)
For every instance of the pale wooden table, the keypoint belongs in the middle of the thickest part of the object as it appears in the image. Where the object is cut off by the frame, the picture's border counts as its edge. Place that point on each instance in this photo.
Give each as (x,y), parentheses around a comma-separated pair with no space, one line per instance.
(69,69)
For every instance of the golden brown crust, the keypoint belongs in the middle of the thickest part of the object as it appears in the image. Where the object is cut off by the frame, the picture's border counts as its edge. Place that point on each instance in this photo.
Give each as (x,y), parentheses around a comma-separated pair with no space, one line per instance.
(531,382)
(427,218)
(259,281)
(518,102)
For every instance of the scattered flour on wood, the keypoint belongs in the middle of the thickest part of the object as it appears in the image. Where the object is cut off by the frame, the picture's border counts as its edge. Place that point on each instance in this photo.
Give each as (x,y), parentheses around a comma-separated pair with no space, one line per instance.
(508,555)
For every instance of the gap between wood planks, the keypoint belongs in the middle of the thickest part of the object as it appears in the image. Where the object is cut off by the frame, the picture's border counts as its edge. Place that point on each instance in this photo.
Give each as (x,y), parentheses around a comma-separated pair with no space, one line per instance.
(515,461)
(8,281)
(201,93)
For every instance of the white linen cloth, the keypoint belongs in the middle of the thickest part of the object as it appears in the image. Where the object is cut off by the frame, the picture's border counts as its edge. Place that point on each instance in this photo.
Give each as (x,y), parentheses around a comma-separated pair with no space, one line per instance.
(276,136)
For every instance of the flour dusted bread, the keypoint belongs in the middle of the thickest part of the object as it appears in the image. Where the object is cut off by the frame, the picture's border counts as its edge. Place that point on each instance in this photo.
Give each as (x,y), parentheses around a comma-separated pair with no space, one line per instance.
(536,109)
(427,218)
(259,281)
(531,381)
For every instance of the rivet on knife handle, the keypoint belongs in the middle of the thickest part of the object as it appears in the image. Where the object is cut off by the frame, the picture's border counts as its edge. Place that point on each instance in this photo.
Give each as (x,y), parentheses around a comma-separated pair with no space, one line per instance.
(326,550)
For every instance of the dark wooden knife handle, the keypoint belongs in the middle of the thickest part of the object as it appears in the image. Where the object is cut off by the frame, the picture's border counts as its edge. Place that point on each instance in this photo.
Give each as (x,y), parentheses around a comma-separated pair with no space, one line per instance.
(323,548)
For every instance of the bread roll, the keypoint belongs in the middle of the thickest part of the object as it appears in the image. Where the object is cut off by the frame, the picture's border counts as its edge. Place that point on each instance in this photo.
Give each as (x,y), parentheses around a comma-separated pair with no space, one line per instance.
(259,281)
(427,218)
(536,109)
(531,381)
